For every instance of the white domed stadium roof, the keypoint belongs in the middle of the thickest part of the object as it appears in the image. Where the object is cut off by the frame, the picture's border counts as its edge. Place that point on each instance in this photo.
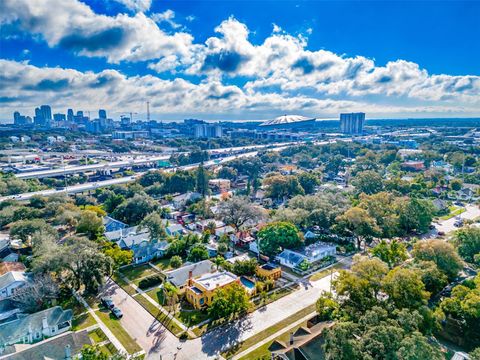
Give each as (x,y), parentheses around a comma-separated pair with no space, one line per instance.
(286,119)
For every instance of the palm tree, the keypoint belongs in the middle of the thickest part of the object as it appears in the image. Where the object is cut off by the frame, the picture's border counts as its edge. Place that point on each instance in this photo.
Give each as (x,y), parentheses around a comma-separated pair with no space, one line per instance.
(170,296)
(219,261)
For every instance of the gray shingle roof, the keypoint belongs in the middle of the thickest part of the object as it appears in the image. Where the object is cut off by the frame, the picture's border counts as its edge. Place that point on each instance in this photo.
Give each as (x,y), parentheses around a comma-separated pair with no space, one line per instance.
(54,348)
(11,277)
(147,248)
(179,276)
(132,239)
(32,323)
(291,256)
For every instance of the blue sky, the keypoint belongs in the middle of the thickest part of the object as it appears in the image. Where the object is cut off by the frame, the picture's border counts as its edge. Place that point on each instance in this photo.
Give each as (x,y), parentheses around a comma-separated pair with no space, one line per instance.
(242,59)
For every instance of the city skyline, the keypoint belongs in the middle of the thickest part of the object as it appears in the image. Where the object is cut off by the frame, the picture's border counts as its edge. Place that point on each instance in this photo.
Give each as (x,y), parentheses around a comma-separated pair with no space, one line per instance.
(240,62)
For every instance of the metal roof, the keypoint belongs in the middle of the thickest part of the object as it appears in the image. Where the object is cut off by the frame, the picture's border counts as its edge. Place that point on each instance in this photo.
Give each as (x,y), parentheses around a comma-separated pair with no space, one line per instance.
(286,119)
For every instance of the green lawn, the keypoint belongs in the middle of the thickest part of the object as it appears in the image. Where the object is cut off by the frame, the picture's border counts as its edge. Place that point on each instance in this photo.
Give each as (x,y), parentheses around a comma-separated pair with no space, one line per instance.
(454,211)
(268,332)
(97,336)
(263,353)
(123,284)
(163,264)
(108,349)
(116,328)
(135,272)
(321,274)
(191,317)
(156,294)
(156,313)
(82,321)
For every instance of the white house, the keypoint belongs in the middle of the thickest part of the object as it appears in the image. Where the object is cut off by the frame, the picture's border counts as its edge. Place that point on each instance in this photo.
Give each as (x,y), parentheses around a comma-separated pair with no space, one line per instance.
(311,253)
(10,282)
(27,329)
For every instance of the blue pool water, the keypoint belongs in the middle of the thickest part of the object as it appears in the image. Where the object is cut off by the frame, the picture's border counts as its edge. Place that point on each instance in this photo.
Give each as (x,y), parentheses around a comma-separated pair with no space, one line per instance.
(247,283)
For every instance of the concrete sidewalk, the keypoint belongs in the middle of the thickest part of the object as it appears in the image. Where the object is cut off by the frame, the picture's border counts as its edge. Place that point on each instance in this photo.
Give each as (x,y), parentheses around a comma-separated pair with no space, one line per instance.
(115,342)
(274,336)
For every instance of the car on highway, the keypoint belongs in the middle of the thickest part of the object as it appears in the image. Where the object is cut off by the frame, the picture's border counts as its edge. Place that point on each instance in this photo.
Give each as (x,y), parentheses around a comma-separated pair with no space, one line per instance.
(117,313)
(107,302)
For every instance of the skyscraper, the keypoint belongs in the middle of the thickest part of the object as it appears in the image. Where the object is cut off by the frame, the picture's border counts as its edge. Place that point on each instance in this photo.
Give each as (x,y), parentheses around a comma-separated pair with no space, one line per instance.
(70,115)
(208,131)
(16,118)
(39,119)
(102,114)
(47,112)
(352,123)
(59,117)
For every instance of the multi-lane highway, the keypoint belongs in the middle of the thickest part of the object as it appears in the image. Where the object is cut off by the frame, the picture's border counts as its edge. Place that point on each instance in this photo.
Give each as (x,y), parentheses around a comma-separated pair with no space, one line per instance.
(92,167)
(123,180)
(144,160)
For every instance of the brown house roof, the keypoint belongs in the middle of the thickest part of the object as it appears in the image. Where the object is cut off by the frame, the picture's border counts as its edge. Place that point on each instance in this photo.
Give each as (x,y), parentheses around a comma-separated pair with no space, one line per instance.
(11,266)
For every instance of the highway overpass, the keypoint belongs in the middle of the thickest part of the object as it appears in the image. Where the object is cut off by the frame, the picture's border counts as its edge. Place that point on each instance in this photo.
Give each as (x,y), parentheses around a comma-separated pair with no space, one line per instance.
(79,188)
(146,160)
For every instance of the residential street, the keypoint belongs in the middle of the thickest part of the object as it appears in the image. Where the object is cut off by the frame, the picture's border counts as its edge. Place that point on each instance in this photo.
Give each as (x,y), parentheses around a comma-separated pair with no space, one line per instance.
(160,343)
(472,212)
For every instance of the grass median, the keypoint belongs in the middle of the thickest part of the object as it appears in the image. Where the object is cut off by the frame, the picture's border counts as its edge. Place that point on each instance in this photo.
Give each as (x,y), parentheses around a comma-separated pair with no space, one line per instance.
(116,328)
(246,344)
(171,325)
(263,353)
(326,272)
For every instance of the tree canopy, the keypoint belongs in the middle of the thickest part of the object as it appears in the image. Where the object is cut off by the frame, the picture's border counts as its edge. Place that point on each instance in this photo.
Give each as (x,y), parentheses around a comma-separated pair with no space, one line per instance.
(467,241)
(229,301)
(277,236)
(239,211)
(441,253)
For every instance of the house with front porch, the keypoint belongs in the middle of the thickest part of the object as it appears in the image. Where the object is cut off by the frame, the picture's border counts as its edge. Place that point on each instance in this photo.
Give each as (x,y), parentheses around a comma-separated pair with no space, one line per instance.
(148,250)
(31,328)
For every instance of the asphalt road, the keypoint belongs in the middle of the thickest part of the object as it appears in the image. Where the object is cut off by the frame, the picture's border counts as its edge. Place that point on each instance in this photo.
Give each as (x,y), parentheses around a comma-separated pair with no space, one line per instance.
(472,212)
(123,180)
(140,160)
(160,343)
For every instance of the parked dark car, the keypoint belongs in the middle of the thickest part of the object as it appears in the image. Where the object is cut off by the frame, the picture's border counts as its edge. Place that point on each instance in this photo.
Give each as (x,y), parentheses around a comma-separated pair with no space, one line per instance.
(107,302)
(117,312)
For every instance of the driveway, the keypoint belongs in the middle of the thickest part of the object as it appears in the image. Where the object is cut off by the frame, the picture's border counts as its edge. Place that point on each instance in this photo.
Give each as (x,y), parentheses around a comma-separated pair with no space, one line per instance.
(157,341)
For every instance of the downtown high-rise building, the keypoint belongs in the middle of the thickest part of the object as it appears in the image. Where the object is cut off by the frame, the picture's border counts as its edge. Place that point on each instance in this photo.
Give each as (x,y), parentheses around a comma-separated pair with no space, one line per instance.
(70,115)
(43,115)
(21,120)
(208,131)
(352,123)
(102,114)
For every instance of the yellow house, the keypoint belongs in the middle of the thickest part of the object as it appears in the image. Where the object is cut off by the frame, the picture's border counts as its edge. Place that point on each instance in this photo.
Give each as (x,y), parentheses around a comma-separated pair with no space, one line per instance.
(200,291)
(269,271)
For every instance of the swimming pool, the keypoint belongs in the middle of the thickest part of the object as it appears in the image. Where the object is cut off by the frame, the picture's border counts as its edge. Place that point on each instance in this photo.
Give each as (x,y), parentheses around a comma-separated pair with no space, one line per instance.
(247,283)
